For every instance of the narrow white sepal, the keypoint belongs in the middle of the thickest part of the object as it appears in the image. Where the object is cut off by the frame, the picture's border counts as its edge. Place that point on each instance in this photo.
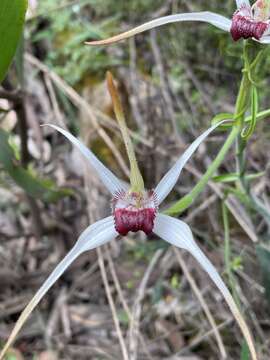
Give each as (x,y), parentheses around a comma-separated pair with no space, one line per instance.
(217,20)
(169,180)
(264,40)
(112,183)
(178,233)
(95,235)
(241,3)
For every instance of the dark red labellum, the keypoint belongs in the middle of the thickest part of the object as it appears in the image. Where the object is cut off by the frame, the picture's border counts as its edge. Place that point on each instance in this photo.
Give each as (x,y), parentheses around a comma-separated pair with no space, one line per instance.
(134,212)
(134,220)
(243,27)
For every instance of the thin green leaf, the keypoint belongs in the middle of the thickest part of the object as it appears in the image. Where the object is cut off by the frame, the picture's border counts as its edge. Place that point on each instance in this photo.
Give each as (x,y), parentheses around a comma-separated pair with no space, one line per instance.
(232,177)
(260,116)
(223,116)
(249,130)
(12,15)
(244,352)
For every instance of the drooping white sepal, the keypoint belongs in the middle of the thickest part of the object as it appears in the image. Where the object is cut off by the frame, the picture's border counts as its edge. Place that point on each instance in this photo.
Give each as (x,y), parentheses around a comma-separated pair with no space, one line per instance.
(217,20)
(264,40)
(112,183)
(178,233)
(169,180)
(95,235)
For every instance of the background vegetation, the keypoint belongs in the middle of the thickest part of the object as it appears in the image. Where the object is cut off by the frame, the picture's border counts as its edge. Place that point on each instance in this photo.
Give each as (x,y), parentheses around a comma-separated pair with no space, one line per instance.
(177,77)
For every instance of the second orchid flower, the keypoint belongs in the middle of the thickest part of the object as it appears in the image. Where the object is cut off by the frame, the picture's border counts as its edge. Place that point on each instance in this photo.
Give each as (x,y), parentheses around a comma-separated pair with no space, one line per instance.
(247,22)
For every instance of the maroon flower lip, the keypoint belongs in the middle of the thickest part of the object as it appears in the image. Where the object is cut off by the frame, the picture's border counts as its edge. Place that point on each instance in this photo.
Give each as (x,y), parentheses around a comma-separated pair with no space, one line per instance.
(134,220)
(243,27)
(134,212)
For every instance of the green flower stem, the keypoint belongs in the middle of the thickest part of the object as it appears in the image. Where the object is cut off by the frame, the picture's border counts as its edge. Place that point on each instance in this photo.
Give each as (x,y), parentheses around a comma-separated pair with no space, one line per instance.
(262,115)
(187,200)
(241,143)
(240,108)
(249,67)
(227,253)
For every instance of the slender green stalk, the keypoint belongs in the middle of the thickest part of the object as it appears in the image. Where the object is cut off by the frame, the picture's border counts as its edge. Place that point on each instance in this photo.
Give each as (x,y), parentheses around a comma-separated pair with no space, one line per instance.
(240,141)
(239,116)
(262,115)
(241,144)
(228,264)
(227,253)
(187,200)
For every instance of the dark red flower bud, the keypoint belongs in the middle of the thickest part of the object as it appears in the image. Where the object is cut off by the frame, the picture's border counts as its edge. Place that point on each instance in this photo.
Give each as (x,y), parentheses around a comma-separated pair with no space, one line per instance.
(243,27)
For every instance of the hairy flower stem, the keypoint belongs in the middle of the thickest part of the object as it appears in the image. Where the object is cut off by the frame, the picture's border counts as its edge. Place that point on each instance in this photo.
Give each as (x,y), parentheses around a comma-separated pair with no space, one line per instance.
(239,115)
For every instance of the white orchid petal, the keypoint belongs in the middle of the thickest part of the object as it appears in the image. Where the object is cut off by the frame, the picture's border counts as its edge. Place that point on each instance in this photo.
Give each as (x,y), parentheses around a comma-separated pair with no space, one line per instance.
(168,181)
(217,20)
(112,183)
(178,233)
(241,3)
(95,235)
(264,40)
(267,32)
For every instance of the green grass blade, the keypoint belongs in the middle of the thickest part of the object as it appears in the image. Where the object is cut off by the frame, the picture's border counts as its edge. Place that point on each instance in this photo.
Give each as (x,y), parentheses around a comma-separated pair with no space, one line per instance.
(12,15)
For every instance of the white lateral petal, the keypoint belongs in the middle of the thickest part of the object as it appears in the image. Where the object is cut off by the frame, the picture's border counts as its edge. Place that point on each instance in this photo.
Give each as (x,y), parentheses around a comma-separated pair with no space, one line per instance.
(112,183)
(217,20)
(178,233)
(168,181)
(264,40)
(95,235)
(241,3)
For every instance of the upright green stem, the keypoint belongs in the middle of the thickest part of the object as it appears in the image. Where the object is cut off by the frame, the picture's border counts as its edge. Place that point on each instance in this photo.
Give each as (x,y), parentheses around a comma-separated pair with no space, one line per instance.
(227,253)
(241,143)
(188,199)
(241,103)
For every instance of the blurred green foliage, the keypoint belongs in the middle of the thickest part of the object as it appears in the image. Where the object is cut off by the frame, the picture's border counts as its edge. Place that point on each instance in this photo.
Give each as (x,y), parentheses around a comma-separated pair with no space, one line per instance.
(245,352)
(263,253)
(69,24)
(33,186)
(145,251)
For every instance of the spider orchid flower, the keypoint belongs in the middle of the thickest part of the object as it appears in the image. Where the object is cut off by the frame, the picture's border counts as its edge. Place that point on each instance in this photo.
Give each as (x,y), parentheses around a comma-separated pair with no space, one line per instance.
(134,209)
(247,22)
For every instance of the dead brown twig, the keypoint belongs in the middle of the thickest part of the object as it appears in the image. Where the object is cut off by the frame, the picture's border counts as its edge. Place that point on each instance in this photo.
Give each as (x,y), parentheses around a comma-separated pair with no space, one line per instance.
(112,305)
(137,308)
(201,300)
